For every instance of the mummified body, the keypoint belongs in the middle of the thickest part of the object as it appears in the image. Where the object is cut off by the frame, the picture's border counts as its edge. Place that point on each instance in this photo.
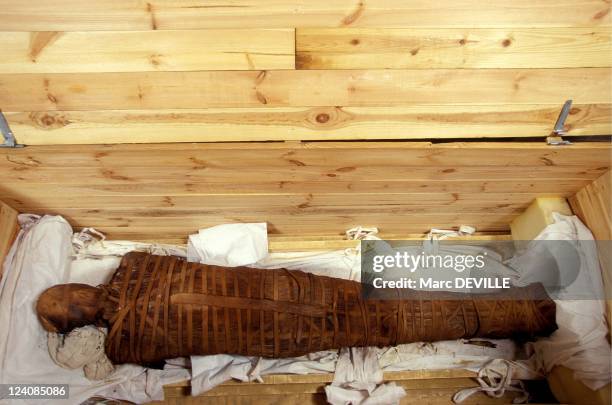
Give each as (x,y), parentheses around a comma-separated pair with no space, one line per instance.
(161,307)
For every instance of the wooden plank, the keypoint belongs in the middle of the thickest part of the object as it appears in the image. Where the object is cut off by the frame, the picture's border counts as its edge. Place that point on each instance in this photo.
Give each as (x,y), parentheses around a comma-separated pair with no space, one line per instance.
(299,88)
(299,173)
(290,123)
(8,230)
(317,154)
(143,191)
(38,192)
(286,223)
(593,205)
(75,15)
(567,388)
(143,228)
(407,202)
(431,48)
(134,51)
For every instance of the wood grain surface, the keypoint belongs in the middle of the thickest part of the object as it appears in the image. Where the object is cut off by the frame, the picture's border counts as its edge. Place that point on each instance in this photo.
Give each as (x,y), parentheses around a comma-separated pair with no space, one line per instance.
(141,51)
(75,15)
(171,190)
(287,88)
(430,48)
(295,123)
(8,230)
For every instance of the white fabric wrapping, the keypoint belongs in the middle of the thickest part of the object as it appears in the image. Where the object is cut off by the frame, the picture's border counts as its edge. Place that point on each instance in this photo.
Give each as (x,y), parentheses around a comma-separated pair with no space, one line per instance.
(229,244)
(77,348)
(580,341)
(358,378)
(82,348)
(210,371)
(470,354)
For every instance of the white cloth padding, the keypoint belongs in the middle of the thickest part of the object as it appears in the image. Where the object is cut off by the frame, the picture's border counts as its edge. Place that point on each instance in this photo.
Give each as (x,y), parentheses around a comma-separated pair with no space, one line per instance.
(470,354)
(90,243)
(99,369)
(580,341)
(210,371)
(339,263)
(82,347)
(358,378)
(229,244)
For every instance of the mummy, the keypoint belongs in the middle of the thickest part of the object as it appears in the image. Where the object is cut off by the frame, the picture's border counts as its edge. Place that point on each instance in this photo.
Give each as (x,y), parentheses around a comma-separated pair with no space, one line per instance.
(163,307)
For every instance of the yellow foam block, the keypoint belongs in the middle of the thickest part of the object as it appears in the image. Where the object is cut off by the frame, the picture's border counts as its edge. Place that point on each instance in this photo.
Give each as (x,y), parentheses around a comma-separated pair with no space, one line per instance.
(537,217)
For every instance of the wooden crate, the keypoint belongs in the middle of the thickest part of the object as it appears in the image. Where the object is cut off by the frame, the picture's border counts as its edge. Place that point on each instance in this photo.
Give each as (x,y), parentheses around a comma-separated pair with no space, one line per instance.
(151,119)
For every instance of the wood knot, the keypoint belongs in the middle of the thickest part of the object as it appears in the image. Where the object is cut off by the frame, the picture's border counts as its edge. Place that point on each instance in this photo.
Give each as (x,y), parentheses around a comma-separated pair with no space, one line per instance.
(462,41)
(355,41)
(322,118)
(48,120)
(326,117)
(506,42)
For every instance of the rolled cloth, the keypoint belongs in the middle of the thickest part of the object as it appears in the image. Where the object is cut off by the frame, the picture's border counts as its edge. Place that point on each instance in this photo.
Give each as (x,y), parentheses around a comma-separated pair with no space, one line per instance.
(161,307)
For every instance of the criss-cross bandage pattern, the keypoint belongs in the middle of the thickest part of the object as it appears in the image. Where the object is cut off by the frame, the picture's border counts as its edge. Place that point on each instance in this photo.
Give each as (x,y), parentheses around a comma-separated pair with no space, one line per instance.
(166,307)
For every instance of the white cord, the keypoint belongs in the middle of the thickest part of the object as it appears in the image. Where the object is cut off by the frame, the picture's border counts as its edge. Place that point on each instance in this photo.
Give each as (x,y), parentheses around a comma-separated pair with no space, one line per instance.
(361,233)
(495,378)
(85,237)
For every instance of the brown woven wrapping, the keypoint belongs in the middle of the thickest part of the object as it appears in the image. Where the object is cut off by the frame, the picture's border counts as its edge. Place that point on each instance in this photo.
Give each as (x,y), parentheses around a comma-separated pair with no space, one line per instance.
(165,307)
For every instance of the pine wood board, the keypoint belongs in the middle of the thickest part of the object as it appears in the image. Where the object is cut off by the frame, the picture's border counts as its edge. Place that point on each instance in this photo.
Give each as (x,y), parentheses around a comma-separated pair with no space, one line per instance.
(443,48)
(593,205)
(75,15)
(310,174)
(302,88)
(8,230)
(283,222)
(38,193)
(142,51)
(149,191)
(407,202)
(317,154)
(294,123)
(178,228)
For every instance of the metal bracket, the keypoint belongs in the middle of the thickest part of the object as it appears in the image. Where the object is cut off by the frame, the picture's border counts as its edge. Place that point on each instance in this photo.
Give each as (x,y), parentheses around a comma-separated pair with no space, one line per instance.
(555,137)
(7,134)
